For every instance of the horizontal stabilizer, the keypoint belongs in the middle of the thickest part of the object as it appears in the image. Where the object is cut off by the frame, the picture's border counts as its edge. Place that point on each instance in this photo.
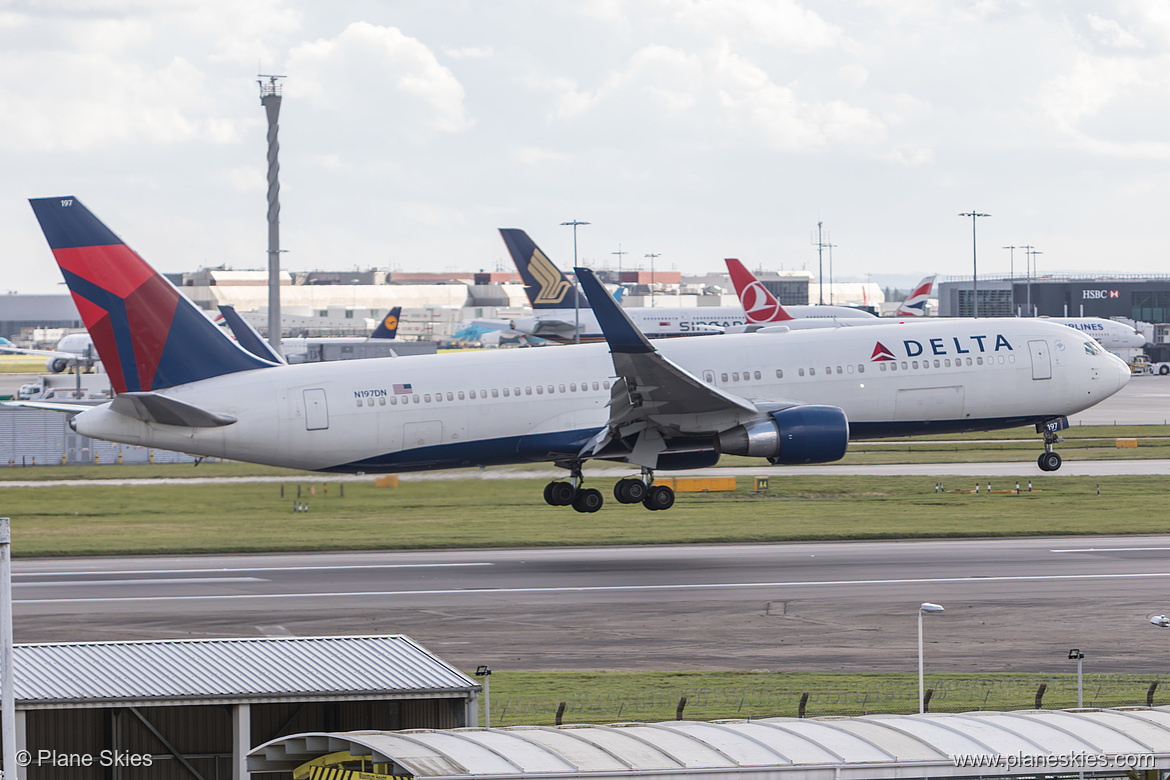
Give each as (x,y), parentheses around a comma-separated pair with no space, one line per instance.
(49,406)
(163,410)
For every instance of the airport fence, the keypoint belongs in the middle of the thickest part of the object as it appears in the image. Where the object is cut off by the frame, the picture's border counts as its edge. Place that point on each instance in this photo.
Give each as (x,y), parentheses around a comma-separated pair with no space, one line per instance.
(752,702)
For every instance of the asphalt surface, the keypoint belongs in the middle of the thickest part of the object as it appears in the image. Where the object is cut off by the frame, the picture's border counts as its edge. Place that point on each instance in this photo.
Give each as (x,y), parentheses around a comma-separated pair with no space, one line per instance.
(1015,604)
(1011,604)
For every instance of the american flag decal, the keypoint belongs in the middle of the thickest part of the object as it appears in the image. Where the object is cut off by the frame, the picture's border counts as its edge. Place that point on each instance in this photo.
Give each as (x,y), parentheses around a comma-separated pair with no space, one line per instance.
(402,389)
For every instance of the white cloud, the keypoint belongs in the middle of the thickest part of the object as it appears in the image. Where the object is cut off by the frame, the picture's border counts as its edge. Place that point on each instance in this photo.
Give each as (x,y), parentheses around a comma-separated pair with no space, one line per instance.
(1111,33)
(368,63)
(783,23)
(469,53)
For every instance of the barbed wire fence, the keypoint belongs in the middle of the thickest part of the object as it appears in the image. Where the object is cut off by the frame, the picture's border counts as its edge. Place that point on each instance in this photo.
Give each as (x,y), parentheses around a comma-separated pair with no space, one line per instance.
(753,702)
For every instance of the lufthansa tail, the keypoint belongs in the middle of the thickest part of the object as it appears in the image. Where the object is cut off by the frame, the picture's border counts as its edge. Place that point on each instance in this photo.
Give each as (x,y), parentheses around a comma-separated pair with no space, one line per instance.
(388,327)
(148,335)
(546,285)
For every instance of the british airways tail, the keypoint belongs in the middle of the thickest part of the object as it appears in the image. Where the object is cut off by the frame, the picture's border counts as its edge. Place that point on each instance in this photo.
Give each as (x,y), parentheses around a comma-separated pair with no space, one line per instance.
(915,303)
(148,335)
(546,285)
(388,327)
(759,305)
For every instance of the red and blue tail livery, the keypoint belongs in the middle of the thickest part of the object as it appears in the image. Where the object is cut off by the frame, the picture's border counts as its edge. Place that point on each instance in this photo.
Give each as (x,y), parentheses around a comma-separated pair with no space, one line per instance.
(147,334)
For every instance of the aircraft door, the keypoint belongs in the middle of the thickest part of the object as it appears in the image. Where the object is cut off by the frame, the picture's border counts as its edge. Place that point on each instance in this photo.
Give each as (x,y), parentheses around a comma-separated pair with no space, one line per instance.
(316,412)
(1041,359)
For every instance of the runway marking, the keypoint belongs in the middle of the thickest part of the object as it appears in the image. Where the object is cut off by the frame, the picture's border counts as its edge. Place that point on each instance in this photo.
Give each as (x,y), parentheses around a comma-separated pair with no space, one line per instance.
(1113,549)
(599,588)
(153,581)
(246,568)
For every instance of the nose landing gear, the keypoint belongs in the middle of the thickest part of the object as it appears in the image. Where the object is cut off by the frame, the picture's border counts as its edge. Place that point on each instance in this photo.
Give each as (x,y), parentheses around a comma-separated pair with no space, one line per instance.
(1050,460)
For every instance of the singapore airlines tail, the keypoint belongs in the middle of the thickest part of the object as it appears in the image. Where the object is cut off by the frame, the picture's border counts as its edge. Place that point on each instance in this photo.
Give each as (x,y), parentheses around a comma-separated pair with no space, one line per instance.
(915,303)
(147,334)
(546,285)
(759,304)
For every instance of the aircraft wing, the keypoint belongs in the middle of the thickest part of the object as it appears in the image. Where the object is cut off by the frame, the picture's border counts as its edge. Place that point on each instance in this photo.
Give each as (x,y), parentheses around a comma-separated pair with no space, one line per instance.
(164,410)
(654,398)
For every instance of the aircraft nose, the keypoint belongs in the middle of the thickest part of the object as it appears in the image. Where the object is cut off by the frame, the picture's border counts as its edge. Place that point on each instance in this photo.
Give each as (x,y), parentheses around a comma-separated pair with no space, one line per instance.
(1123,372)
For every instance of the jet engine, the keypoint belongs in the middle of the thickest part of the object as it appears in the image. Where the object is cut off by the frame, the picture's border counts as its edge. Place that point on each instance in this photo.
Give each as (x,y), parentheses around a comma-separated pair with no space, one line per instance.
(799,434)
(57,365)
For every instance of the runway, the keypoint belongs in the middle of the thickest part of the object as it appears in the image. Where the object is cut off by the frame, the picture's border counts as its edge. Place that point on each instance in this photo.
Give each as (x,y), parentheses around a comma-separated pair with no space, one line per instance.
(1013,604)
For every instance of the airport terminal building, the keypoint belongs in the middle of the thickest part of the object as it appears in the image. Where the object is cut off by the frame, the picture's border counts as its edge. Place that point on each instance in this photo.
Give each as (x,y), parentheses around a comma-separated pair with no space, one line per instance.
(1141,298)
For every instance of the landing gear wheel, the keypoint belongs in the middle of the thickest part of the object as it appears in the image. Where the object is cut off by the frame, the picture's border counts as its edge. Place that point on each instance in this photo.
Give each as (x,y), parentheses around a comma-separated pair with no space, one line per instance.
(659,497)
(1164,370)
(1049,461)
(588,500)
(559,493)
(630,491)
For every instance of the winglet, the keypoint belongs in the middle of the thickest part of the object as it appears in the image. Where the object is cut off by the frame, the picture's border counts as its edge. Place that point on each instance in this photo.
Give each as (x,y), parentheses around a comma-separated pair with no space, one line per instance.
(758,303)
(247,336)
(620,331)
(545,284)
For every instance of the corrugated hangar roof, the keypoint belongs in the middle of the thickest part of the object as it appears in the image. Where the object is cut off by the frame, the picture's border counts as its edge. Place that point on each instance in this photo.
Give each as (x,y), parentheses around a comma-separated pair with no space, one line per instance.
(95,674)
(1027,742)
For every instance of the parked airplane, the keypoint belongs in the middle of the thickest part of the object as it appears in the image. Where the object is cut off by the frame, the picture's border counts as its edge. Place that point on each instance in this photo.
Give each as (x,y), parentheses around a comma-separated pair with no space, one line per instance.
(795,397)
(74,349)
(1110,333)
(915,303)
(559,306)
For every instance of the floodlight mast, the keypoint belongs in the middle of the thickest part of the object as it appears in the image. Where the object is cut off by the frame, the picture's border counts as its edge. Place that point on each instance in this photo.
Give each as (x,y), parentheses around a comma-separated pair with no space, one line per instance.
(270,99)
(974,258)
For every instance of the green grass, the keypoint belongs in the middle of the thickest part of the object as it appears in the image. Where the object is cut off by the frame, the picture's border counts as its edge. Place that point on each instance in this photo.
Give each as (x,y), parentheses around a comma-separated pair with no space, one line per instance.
(532,698)
(250,517)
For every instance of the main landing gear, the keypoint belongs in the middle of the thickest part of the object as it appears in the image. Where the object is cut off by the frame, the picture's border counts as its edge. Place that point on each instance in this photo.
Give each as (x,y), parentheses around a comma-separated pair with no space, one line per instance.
(633,490)
(1049,460)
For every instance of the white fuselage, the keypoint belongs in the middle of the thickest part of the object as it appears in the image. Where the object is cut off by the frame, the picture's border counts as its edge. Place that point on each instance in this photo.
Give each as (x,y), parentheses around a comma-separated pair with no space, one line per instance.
(511,406)
(668,321)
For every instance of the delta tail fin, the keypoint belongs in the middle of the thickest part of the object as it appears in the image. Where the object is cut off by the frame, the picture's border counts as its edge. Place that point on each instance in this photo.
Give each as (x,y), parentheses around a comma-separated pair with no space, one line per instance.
(546,285)
(388,327)
(148,335)
(759,305)
(915,303)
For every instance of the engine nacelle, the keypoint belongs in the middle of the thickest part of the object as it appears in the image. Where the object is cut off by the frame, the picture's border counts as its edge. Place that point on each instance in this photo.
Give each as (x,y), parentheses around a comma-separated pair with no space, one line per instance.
(800,434)
(57,365)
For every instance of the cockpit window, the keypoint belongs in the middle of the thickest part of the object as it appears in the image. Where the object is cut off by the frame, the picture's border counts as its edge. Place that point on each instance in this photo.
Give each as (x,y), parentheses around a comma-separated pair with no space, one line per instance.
(1093,348)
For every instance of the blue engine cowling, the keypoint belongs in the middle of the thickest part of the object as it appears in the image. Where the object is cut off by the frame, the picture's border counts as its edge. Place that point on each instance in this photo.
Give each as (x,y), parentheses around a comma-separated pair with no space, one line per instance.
(800,434)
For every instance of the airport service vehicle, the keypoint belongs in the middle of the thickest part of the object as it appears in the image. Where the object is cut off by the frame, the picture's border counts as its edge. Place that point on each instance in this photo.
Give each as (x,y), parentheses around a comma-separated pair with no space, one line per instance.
(559,307)
(793,397)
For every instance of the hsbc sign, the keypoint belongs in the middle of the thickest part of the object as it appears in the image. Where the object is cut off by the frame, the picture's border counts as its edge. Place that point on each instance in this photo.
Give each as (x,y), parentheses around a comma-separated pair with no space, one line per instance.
(1096,295)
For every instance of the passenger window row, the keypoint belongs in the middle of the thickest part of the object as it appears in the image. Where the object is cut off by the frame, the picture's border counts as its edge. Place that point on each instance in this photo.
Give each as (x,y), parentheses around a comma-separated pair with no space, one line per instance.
(507,392)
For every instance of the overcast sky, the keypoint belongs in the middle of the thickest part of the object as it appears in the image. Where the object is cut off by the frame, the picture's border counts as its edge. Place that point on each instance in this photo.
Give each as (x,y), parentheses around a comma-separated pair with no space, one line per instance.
(694,129)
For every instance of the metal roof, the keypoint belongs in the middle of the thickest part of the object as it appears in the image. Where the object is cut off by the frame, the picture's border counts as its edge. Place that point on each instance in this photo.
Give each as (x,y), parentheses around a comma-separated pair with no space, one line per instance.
(1026,742)
(95,674)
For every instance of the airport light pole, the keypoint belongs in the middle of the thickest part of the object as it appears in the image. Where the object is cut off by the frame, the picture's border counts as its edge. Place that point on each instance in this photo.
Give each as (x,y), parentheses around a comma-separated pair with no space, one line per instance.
(1030,252)
(576,292)
(830,245)
(486,674)
(7,681)
(974,257)
(1079,657)
(931,608)
(652,256)
(619,254)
